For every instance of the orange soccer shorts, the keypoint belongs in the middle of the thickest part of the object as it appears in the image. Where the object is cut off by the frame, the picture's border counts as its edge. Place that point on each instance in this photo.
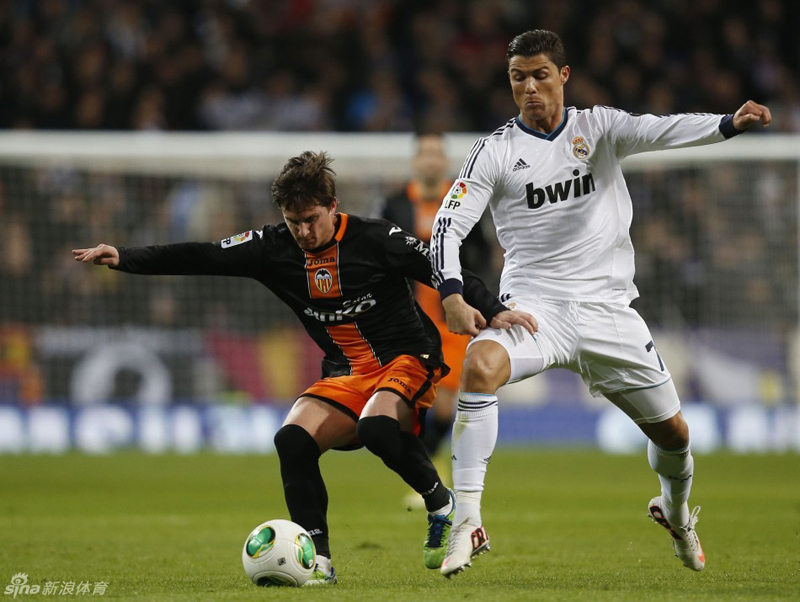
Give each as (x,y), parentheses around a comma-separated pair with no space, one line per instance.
(405,375)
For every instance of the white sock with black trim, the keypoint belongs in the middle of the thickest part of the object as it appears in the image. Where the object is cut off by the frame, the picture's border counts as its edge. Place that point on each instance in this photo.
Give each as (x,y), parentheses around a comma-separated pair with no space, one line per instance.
(675,469)
(474,438)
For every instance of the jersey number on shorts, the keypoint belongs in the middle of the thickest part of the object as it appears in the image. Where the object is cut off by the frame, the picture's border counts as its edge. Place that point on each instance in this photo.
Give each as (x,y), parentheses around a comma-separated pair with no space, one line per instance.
(652,346)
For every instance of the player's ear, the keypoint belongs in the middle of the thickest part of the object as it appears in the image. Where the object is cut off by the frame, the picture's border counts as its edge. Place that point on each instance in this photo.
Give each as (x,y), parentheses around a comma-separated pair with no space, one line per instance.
(564,74)
(334,204)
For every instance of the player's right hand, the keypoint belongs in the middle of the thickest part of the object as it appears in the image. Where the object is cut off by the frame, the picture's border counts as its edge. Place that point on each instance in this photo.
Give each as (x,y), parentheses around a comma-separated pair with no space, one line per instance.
(506,319)
(462,318)
(102,254)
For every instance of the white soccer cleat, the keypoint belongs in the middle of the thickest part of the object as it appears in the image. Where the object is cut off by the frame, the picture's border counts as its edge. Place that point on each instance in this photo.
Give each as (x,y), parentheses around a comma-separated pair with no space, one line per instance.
(684,539)
(324,573)
(466,542)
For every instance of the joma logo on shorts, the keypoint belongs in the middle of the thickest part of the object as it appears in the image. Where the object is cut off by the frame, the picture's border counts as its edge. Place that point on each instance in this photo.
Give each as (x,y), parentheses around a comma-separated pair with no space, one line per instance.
(401,383)
(560,191)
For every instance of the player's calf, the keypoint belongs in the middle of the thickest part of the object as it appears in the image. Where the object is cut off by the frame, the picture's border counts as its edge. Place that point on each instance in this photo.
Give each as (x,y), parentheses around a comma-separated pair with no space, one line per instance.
(303,486)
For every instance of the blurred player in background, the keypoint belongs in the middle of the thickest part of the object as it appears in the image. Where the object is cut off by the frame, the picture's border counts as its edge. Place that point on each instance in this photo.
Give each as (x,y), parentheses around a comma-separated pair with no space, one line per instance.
(345,279)
(414,208)
(553,180)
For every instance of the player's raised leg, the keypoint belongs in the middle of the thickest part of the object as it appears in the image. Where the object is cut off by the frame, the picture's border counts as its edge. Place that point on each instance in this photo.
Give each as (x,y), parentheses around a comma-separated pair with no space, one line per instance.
(389,428)
(656,410)
(670,456)
(311,428)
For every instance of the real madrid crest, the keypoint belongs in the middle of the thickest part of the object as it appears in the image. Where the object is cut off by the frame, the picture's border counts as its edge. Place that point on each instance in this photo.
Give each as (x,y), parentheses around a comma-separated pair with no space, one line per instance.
(323,280)
(579,147)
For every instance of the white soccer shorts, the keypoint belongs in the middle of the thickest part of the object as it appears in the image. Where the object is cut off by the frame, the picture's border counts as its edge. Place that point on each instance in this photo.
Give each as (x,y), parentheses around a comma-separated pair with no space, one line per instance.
(608,344)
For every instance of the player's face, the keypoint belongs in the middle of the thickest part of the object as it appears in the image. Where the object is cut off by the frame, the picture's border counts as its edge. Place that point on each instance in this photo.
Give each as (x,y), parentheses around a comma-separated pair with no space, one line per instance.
(313,226)
(538,88)
(430,162)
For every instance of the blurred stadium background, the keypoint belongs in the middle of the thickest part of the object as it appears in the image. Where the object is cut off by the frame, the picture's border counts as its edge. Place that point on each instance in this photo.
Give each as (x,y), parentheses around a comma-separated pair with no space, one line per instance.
(142,122)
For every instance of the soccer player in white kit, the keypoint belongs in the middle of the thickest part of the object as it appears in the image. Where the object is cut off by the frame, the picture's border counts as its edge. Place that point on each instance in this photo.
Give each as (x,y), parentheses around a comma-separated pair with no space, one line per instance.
(553,182)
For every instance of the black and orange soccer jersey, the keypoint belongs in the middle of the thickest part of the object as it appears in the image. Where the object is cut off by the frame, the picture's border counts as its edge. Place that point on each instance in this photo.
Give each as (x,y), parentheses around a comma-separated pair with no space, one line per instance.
(351,294)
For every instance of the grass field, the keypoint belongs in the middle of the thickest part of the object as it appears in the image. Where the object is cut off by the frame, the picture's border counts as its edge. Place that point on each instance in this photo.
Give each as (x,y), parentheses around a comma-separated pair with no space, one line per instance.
(564,526)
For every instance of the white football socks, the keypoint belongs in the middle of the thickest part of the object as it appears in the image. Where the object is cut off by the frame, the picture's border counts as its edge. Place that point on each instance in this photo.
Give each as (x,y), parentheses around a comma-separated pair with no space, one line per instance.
(674,468)
(474,438)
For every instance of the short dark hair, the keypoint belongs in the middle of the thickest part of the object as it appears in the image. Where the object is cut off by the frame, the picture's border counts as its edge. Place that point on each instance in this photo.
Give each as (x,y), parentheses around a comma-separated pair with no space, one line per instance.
(538,41)
(305,181)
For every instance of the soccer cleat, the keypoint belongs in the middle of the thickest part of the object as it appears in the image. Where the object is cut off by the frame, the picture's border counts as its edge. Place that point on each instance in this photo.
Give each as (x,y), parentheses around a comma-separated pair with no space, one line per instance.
(324,573)
(466,542)
(684,539)
(439,526)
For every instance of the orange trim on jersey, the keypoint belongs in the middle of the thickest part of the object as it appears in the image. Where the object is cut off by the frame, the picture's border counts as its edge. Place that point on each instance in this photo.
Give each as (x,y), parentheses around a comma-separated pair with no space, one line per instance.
(342,227)
(355,348)
(322,267)
(322,271)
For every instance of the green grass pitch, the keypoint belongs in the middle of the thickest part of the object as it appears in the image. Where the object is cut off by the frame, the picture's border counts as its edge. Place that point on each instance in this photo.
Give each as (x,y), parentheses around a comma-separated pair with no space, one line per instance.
(564,525)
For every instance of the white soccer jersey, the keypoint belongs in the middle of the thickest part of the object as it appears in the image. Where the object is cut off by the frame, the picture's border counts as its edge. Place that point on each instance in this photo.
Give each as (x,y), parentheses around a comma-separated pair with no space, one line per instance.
(559,202)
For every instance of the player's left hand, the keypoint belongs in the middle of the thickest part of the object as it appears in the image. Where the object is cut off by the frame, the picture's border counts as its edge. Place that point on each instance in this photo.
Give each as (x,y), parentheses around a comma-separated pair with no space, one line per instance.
(506,319)
(102,254)
(461,317)
(751,113)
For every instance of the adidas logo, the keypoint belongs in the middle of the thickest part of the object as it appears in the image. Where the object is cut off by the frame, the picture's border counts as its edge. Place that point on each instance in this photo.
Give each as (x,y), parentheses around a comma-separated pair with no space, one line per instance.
(520,165)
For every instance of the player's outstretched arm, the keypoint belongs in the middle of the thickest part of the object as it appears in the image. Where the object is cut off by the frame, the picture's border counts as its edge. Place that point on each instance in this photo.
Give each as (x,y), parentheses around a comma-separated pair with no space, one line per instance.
(102,254)
(751,113)
(243,258)
(507,319)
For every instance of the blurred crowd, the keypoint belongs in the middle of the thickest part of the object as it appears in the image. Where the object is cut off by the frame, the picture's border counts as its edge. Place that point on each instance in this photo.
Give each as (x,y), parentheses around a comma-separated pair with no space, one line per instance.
(716,253)
(716,248)
(378,65)
(48,212)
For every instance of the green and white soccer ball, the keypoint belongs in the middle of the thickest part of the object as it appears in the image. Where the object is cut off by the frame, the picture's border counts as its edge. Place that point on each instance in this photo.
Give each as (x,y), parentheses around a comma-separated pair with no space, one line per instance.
(279,552)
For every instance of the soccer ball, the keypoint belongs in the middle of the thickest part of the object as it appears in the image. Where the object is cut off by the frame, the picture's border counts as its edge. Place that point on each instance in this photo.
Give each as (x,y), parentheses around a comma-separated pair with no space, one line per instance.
(279,552)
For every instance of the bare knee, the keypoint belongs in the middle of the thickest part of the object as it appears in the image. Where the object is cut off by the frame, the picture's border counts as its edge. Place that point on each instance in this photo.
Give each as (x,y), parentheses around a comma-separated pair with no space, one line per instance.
(669,434)
(486,368)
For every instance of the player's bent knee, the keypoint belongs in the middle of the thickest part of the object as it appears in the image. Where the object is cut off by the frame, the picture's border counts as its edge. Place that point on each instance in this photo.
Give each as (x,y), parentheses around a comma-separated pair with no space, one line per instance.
(375,432)
(679,434)
(293,442)
(486,368)
(670,434)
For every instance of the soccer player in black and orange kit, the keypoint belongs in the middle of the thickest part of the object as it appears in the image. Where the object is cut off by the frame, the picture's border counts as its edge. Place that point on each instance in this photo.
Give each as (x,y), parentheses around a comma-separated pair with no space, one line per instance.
(345,278)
